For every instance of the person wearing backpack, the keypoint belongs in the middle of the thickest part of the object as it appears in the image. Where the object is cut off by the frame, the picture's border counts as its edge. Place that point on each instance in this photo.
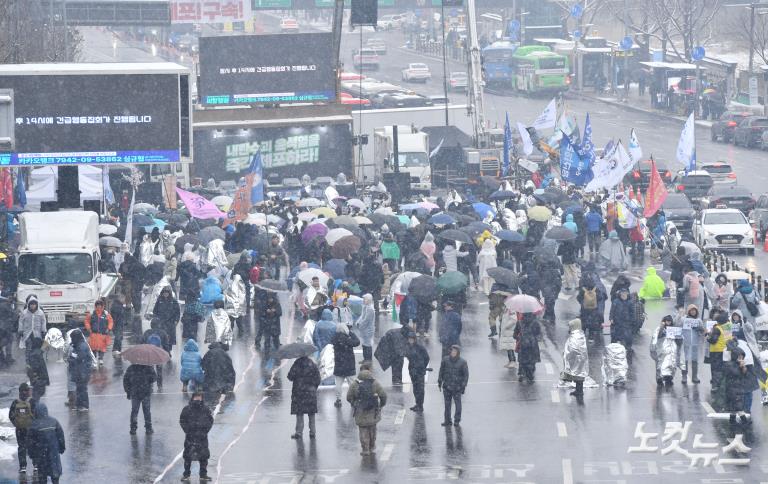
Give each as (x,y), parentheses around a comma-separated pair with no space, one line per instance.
(693,290)
(21,414)
(746,301)
(367,397)
(589,298)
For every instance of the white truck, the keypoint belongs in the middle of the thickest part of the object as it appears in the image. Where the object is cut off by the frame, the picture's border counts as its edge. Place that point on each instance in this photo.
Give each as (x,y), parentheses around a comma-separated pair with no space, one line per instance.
(58,262)
(413,154)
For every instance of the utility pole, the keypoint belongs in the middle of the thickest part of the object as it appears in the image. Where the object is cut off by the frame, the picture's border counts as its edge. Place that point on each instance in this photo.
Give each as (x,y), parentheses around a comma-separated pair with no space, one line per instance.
(445,62)
(626,52)
(476,78)
(752,7)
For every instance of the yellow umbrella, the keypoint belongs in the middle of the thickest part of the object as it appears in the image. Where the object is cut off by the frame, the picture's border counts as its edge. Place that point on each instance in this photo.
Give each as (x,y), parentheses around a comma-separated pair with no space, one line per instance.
(324,212)
(539,213)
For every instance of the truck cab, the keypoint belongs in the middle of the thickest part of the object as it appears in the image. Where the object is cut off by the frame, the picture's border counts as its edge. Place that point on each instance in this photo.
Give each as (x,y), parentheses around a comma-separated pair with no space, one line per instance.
(413,155)
(58,262)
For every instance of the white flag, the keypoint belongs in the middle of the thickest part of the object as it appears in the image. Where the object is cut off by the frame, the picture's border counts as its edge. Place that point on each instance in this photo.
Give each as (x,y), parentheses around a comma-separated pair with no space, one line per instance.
(635,152)
(610,170)
(686,147)
(129,222)
(525,136)
(548,117)
(437,148)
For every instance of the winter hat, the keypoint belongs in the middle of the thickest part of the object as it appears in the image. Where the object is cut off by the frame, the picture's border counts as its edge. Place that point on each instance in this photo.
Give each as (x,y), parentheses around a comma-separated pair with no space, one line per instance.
(574,324)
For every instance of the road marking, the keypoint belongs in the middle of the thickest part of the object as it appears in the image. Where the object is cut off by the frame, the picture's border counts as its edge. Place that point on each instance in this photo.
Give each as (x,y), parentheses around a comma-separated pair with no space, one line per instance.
(562,431)
(548,368)
(555,396)
(387,452)
(400,417)
(567,471)
(707,407)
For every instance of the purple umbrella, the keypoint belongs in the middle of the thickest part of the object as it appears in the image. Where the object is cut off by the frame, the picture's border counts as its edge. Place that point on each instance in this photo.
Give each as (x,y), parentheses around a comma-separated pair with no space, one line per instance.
(313,231)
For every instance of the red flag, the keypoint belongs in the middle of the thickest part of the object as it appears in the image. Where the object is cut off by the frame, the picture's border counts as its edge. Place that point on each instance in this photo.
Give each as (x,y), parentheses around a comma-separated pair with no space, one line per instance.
(6,180)
(656,193)
(241,202)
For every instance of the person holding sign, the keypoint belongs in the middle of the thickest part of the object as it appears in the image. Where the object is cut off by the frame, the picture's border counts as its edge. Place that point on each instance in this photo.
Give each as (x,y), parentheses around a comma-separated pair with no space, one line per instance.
(664,351)
(693,336)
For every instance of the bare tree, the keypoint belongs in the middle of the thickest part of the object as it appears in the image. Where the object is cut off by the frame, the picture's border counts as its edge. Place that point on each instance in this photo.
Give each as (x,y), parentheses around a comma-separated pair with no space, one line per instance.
(28,34)
(591,9)
(683,24)
(738,28)
(639,22)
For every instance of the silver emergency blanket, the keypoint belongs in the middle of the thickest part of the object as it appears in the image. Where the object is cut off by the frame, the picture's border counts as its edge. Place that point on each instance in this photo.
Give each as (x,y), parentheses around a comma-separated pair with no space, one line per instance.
(146,251)
(55,339)
(219,326)
(665,351)
(575,358)
(309,330)
(216,257)
(614,367)
(326,362)
(234,297)
(149,298)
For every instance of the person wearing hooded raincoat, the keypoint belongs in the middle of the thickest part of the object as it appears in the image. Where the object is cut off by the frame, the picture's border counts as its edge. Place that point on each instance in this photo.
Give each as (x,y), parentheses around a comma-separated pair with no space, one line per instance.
(270,312)
(366,326)
(653,285)
(664,352)
(722,292)
(551,273)
(211,290)
(99,323)
(693,289)
(191,369)
(196,421)
(428,249)
(623,319)
(219,374)
(527,333)
(486,259)
(693,340)
(305,376)
(344,342)
(234,303)
(32,322)
(575,357)
(188,276)
(744,299)
(366,418)
(612,254)
(46,444)
(146,250)
(218,328)
(324,331)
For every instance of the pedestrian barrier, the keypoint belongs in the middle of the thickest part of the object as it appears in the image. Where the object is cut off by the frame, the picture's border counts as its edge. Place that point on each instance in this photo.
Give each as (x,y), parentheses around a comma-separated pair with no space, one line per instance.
(717,262)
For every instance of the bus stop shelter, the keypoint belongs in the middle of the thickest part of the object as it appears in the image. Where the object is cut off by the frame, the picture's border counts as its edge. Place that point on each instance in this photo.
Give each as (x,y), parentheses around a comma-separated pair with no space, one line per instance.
(673,84)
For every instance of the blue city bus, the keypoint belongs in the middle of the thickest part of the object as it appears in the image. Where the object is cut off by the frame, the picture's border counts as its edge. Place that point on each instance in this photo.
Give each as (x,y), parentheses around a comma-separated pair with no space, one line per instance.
(497,63)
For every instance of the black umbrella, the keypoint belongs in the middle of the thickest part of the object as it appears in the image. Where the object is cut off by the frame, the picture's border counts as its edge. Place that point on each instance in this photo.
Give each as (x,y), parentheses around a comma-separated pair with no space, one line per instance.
(272,285)
(463,218)
(178,219)
(139,219)
(455,235)
(294,350)
(502,195)
(491,182)
(560,234)
(570,204)
(423,289)
(337,268)
(185,239)
(504,276)
(390,221)
(510,236)
(480,226)
(356,231)
(546,198)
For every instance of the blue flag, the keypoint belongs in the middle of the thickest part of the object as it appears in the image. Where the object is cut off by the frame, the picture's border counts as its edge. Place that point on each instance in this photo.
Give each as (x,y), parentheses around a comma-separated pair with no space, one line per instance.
(507,147)
(587,147)
(573,168)
(257,180)
(21,191)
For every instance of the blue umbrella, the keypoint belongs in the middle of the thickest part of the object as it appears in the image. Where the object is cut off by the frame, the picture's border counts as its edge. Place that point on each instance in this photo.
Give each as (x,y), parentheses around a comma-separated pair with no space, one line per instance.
(483,209)
(158,223)
(337,268)
(510,236)
(441,219)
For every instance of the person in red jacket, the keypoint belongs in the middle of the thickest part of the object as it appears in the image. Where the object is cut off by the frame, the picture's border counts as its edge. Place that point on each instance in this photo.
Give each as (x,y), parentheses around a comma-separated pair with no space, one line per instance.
(99,324)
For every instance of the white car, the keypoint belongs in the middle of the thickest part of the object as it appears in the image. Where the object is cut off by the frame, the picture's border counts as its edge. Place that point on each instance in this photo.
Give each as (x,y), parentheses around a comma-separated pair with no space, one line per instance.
(417,72)
(458,81)
(289,25)
(389,22)
(724,228)
(377,45)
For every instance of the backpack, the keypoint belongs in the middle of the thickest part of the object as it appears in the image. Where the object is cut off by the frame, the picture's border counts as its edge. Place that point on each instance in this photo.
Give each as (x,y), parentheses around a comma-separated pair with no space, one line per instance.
(255,275)
(590,298)
(22,414)
(693,287)
(155,340)
(753,309)
(366,399)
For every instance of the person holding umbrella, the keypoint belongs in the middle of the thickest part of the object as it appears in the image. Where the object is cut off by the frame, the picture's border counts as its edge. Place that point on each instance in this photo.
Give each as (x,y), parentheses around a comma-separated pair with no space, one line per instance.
(137,383)
(305,376)
(391,351)
(527,333)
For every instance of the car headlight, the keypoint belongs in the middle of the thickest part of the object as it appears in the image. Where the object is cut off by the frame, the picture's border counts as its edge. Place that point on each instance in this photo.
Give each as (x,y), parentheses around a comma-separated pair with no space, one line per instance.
(79,308)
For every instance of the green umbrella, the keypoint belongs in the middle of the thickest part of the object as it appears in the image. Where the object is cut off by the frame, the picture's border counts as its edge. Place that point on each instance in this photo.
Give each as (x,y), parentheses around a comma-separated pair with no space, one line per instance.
(452,282)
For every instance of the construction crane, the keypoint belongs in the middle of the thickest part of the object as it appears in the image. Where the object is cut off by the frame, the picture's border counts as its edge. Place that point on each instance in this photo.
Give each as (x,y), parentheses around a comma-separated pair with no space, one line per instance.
(477,104)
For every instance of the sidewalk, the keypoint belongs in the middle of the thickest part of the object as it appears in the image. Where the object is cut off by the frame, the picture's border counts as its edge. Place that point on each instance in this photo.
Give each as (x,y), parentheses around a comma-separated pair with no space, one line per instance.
(635,103)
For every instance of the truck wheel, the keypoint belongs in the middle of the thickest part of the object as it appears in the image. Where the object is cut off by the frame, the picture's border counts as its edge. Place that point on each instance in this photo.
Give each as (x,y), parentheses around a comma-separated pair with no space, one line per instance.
(751,251)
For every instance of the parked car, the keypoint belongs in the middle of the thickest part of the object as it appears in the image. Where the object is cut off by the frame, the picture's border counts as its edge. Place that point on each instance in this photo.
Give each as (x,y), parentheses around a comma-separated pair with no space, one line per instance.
(695,185)
(729,196)
(378,45)
(458,81)
(724,228)
(366,57)
(764,141)
(438,99)
(289,25)
(416,72)
(722,129)
(400,100)
(640,175)
(389,22)
(359,103)
(750,131)
(678,210)
(759,215)
(721,172)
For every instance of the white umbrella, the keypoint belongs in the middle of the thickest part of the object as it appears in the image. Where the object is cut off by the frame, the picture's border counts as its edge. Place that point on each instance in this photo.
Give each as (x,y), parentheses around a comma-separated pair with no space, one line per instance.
(334,235)
(110,242)
(222,201)
(363,220)
(384,211)
(258,219)
(309,202)
(307,216)
(145,208)
(306,276)
(402,281)
(737,276)
(357,203)
(106,229)
(275,220)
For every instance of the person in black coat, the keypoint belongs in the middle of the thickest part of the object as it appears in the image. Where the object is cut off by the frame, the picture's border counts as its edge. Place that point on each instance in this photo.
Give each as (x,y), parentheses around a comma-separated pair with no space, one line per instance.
(196,421)
(243,269)
(137,383)
(218,370)
(270,313)
(391,351)
(167,312)
(80,365)
(306,378)
(37,371)
(450,328)
(134,271)
(550,272)
(372,279)
(418,361)
(622,282)
(529,282)
(622,318)
(189,277)
(344,342)
(120,309)
(527,333)
(452,381)
(46,444)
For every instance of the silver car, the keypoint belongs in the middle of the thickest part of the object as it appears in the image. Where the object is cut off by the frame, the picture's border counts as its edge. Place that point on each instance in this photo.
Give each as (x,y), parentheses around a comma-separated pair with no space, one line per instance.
(722,173)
